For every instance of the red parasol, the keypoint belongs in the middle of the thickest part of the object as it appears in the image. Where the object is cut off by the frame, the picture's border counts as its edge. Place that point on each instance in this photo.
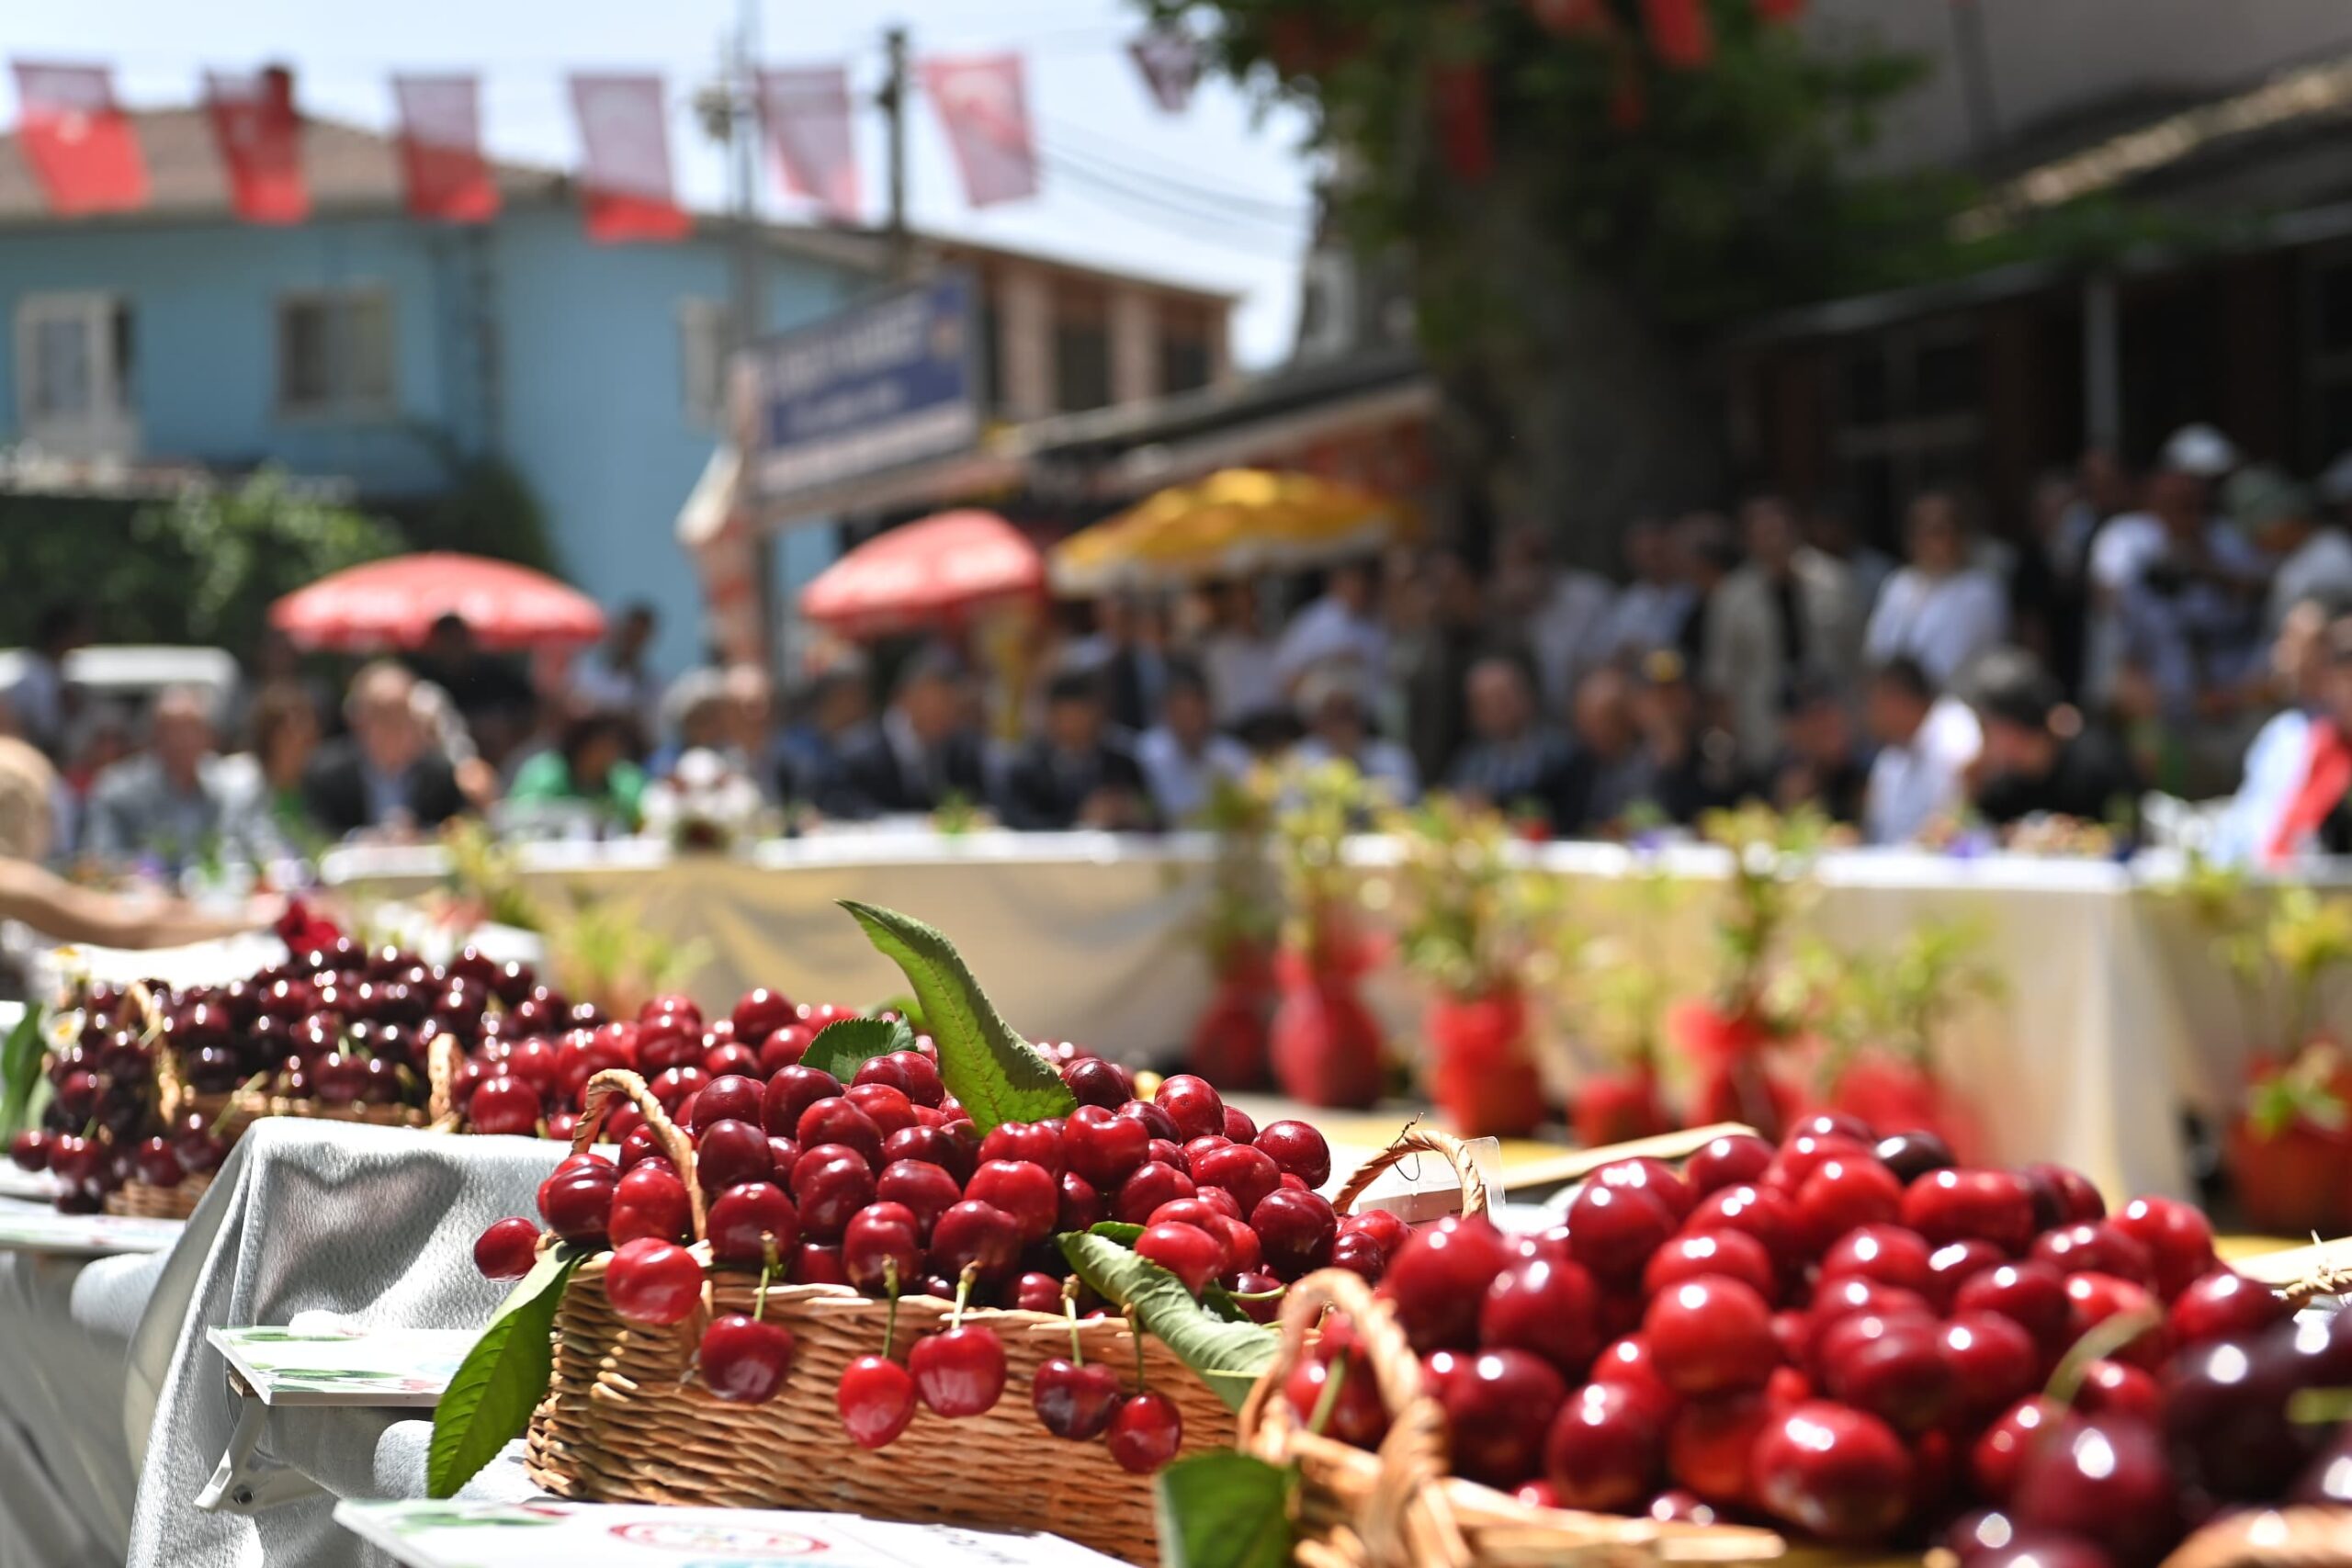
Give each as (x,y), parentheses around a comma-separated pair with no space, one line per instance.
(393,604)
(910,577)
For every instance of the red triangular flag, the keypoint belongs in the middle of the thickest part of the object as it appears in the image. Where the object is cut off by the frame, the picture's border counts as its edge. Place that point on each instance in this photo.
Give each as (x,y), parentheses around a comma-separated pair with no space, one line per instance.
(1679,32)
(441,169)
(259,134)
(810,127)
(625,167)
(79,142)
(1464,117)
(983,104)
(1169,59)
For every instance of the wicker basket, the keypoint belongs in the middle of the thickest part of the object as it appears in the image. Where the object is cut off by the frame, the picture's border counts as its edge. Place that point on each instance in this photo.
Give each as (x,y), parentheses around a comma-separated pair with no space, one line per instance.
(1399,1507)
(138,1201)
(624,1422)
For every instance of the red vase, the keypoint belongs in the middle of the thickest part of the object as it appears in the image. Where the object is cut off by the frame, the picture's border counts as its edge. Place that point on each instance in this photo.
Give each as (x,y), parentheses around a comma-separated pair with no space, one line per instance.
(1228,1046)
(1481,1075)
(2294,1183)
(1895,1096)
(1614,1108)
(1323,1041)
(1740,1088)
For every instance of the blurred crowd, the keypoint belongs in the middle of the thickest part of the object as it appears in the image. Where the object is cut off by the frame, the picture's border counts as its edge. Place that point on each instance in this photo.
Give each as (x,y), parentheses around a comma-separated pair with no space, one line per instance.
(2180,629)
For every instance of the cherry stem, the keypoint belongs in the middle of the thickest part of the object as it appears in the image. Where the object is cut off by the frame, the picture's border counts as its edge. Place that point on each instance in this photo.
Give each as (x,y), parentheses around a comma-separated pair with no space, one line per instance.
(891,1287)
(1070,1310)
(1330,1396)
(2102,1338)
(963,1293)
(767,1271)
(1135,1329)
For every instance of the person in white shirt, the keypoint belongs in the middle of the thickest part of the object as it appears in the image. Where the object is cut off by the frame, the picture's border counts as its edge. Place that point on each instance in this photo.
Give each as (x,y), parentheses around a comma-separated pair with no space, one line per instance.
(1184,758)
(2283,520)
(2131,545)
(1239,659)
(1331,705)
(1651,609)
(1341,627)
(1940,610)
(1927,744)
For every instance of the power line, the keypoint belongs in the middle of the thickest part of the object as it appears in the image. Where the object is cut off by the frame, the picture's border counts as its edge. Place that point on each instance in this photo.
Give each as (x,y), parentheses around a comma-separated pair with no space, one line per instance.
(1200,226)
(1223,199)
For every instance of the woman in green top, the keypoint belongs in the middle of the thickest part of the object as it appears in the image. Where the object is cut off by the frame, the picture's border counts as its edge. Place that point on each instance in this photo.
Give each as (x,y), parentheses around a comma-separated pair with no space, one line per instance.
(590,765)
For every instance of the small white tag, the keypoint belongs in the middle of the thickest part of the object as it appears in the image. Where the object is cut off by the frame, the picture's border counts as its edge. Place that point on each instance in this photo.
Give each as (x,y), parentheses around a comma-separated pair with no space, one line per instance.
(1422,1189)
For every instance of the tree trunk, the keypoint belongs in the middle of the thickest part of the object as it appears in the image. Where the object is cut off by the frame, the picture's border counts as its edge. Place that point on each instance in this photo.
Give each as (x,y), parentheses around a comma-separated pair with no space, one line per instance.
(1567,406)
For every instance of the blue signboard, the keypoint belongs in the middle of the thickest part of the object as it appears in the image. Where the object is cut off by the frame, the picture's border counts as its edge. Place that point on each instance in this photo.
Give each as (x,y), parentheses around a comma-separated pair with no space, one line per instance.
(883,384)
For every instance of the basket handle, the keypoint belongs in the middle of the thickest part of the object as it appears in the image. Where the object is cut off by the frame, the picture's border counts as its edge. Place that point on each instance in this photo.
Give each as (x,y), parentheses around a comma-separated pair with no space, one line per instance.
(614,1084)
(1404,1518)
(1412,1141)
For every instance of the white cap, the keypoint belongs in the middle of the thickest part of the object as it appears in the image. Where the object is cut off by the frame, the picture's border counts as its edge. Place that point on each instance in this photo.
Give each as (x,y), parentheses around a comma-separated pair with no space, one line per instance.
(2201,450)
(2336,483)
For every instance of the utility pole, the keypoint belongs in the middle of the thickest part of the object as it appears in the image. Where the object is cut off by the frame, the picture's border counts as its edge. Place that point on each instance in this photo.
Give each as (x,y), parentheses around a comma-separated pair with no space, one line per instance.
(1976,78)
(892,100)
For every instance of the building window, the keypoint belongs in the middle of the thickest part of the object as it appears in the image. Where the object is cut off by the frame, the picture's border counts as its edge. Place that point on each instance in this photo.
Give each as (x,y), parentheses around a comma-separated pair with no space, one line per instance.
(1184,362)
(1908,420)
(74,364)
(1081,347)
(334,354)
(2328,360)
(706,332)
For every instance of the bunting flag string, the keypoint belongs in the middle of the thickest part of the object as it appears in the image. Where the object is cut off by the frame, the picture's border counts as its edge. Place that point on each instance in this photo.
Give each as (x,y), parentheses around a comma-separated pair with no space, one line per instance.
(77,140)
(441,169)
(624,160)
(811,132)
(1169,59)
(983,104)
(259,133)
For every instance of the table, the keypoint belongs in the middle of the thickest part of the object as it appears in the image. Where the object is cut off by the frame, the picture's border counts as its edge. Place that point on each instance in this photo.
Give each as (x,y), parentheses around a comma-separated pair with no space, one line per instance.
(2115,1018)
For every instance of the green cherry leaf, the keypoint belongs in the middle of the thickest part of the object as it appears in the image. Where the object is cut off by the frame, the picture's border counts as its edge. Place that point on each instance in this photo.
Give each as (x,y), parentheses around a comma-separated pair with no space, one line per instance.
(1224,1509)
(1226,1355)
(489,1403)
(19,1073)
(995,1075)
(848,1043)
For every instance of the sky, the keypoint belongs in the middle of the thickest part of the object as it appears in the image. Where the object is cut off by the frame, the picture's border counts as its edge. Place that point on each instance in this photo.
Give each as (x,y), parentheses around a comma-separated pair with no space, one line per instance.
(1216,196)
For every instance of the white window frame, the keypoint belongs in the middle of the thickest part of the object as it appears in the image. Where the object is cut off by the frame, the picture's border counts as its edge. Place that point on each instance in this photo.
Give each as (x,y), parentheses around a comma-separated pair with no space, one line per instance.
(706,342)
(344,403)
(107,427)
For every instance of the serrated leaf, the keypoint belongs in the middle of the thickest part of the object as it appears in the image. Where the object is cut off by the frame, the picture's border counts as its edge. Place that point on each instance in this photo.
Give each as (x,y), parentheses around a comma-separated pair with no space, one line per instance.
(1119,1231)
(995,1075)
(1225,1509)
(489,1403)
(848,1043)
(1213,1296)
(19,1072)
(1227,1356)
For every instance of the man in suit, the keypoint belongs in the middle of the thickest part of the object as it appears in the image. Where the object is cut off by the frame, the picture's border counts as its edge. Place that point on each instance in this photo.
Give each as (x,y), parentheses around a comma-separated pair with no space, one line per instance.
(384,776)
(1517,763)
(178,799)
(917,756)
(1076,775)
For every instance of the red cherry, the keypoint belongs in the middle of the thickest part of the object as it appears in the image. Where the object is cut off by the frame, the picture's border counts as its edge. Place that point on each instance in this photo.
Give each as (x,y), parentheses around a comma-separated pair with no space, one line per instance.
(1380,1224)
(2095,1298)
(1734,1160)
(1025,1192)
(507,1249)
(1888,1254)
(930,1145)
(504,1105)
(1711,1443)
(818,1264)
(654,1282)
(1081,1206)
(1296,1229)
(830,1183)
(2077,1196)
(922,1187)
(2031,1294)
(1101,1147)
(1628,1361)
(1953,1205)
(1895,1367)
(1652,1176)
(1833,1473)
(745,1361)
(1247,1172)
(960,1373)
(1954,1264)
(1037,1293)
(884,1105)
(1197,1109)
(1546,1305)
(1760,1210)
(1914,1153)
(1436,1281)
(1357,1414)
(732,1098)
(1994,1460)
(875,1399)
(1498,1408)
(1224,1202)
(1098,1082)
(1822,1124)
(881,1241)
(1155,1121)
(782,1048)
(759,1011)
(1801,1154)
(1606,1448)
(1612,1231)
(1148,1187)
(1995,1362)
(1735,1254)
(2223,1305)
(1191,1254)
(676,1089)
(975,1234)
(578,1205)
(1298,1148)
(729,1153)
(791,1091)
(1074,1402)
(1843,1193)
(1245,1255)
(836,1121)
(2096,1246)
(748,1221)
(2106,1481)
(1239,1128)
(2179,1239)
(2113,1388)
(1144,1433)
(1849,1295)
(1712,1334)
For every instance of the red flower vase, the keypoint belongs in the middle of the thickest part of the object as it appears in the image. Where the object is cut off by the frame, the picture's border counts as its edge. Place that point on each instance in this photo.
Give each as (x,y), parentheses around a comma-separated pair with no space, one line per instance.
(1481,1076)
(1323,1041)
(1895,1096)
(1735,1083)
(1228,1044)
(2291,1183)
(1614,1108)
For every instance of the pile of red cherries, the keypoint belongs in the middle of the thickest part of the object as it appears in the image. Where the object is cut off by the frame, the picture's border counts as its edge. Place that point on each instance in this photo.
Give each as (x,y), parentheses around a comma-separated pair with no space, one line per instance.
(1854,1337)
(883,1184)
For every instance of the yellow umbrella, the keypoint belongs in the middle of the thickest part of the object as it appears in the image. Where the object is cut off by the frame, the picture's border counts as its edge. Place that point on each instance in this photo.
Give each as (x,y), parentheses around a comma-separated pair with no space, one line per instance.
(1234,523)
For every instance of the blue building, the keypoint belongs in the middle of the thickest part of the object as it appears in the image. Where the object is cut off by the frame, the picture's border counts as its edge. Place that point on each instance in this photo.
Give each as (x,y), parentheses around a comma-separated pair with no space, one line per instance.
(371,346)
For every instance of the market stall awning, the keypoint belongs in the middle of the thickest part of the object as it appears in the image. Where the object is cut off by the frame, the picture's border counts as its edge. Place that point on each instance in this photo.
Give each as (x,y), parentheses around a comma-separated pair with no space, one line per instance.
(393,604)
(1232,524)
(930,571)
